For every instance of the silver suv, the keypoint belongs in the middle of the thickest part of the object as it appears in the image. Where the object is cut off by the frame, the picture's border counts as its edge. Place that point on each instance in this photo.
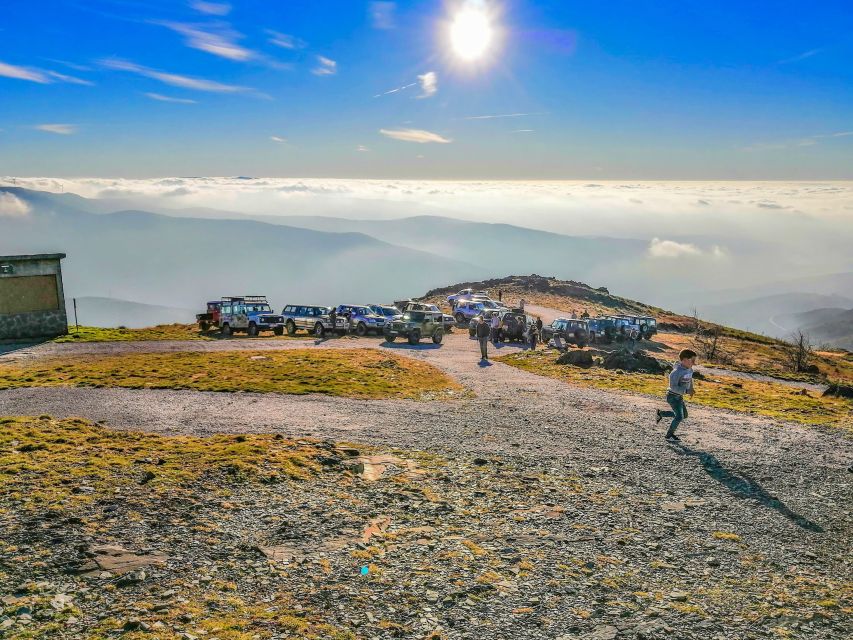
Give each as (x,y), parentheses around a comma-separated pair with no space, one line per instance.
(362,319)
(388,311)
(467,309)
(311,318)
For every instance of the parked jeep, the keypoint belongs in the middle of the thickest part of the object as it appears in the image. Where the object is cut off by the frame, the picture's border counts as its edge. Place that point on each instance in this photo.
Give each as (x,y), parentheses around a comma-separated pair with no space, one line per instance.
(601,330)
(251,314)
(569,329)
(211,317)
(447,320)
(626,328)
(648,327)
(415,325)
(514,324)
(456,298)
(311,318)
(362,318)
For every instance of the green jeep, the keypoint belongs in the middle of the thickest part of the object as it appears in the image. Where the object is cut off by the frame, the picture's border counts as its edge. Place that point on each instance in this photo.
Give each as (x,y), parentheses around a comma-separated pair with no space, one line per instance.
(415,325)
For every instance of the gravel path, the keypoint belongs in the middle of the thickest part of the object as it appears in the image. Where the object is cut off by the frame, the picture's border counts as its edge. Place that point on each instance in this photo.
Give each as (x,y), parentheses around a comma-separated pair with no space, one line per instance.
(783,487)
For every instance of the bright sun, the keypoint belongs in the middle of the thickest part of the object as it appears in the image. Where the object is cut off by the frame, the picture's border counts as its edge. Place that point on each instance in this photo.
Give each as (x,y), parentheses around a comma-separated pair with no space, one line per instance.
(470,34)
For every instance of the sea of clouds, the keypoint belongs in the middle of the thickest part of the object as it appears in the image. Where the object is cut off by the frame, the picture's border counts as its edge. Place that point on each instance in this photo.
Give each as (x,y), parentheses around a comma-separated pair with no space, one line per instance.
(726,233)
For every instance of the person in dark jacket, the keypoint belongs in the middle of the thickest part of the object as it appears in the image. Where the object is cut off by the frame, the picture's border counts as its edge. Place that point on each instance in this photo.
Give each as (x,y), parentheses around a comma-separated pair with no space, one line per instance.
(333,318)
(533,336)
(483,330)
(539,327)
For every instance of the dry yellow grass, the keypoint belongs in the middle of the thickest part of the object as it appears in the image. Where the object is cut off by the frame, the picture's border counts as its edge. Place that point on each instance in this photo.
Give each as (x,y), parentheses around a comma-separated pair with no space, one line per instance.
(354,373)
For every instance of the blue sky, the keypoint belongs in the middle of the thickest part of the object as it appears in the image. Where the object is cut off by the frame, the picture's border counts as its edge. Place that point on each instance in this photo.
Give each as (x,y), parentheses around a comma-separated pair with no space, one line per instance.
(620,89)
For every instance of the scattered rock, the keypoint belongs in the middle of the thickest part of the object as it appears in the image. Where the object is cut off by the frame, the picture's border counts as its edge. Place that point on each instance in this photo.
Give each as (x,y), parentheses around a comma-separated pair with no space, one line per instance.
(577,358)
(634,361)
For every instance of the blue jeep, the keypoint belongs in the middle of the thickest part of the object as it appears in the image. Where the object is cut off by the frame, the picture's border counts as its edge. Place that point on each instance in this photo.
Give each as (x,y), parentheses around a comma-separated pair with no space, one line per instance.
(362,319)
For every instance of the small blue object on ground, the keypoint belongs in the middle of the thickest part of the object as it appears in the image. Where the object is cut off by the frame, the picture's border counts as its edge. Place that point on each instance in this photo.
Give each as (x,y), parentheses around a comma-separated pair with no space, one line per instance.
(365,571)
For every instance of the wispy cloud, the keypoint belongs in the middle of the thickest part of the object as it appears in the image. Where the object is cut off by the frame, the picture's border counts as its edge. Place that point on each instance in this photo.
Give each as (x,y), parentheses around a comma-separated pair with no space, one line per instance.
(429,84)
(802,56)
(11,206)
(285,41)
(398,89)
(361,147)
(218,40)
(40,76)
(278,139)
(162,98)
(211,8)
(61,129)
(327,67)
(23,73)
(382,14)
(524,130)
(173,79)
(69,79)
(501,115)
(797,142)
(414,135)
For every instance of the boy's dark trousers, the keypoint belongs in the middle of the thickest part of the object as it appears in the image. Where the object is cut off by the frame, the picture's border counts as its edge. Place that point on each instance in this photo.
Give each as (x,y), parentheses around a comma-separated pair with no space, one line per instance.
(678,413)
(484,347)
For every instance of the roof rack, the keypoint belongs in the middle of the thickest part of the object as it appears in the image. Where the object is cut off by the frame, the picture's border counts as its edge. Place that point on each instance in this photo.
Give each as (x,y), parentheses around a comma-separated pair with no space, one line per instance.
(248,299)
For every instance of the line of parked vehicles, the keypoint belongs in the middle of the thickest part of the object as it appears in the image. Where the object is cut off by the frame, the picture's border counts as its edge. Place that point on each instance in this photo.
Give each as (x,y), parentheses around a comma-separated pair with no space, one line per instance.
(253,315)
(469,306)
(414,320)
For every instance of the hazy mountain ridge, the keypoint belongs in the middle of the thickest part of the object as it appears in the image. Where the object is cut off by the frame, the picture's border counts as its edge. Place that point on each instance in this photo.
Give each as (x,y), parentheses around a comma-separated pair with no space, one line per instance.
(826,326)
(182,262)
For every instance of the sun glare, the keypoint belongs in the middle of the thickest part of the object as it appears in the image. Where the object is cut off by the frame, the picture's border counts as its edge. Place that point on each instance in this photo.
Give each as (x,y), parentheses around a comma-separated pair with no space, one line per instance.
(470,34)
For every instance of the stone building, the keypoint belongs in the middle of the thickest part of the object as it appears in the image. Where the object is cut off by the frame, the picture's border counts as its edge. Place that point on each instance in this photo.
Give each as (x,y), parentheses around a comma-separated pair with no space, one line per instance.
(32,302)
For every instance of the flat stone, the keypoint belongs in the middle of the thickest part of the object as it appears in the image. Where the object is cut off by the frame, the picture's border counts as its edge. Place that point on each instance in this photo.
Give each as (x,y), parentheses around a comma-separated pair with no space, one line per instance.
(119,561)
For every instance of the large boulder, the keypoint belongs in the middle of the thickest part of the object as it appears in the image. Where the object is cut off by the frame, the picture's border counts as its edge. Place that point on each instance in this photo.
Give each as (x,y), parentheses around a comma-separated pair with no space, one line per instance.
(839,390)
(577,358)
(637,361)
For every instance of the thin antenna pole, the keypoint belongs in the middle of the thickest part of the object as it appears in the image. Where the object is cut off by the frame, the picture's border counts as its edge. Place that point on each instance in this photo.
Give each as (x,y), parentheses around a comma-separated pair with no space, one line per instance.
(76,324)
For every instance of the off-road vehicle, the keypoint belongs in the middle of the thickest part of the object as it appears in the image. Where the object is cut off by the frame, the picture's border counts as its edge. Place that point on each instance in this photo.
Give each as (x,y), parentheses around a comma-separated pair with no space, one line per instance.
(311,318)
(571,330)
(210,319)
(415,325)
(626,328)
(514,324)
(466,310)
(362,319)
(251,314)
(601,330)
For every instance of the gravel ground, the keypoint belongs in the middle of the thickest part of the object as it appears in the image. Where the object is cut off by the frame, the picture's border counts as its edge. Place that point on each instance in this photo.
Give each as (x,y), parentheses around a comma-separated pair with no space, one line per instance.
(781,488)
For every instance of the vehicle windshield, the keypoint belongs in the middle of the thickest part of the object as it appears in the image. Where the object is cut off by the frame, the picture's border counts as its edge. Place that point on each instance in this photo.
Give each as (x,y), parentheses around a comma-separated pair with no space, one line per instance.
(255,308)
(414,316)
(387,311)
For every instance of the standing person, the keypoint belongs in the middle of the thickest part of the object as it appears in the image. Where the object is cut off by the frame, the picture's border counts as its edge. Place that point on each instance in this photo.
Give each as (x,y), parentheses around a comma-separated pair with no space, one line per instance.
(521,304)
(500,296)
(348,316)
(539,326)
(585,314)
(483,338)
(533,336)
(496,327)
(680,384)
(574,315)
(333,319)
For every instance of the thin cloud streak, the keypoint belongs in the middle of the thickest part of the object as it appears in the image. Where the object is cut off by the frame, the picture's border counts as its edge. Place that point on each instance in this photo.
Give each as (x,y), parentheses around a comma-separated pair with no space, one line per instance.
(415,135)
(211,8)
(41,76)
(60,129)
(285,41)
(328,67)
(501,115)
(220,42)
(802,56)
(398,89)
(173,79)
(160,97)
(278,139)
(382,15)
(800,142)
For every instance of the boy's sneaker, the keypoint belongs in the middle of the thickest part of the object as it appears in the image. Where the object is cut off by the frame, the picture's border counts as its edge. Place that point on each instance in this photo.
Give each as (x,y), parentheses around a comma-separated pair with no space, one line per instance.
(658,416)
(672,437)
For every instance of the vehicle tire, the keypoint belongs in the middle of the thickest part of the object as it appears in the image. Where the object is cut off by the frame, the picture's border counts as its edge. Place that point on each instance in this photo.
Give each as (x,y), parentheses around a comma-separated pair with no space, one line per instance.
(361,330)
(252,330)
(319,331)
(437,336)
(226,330)
(390,338)
(415,337)
(460,318)
(203,326)
(291,327)
(279,331)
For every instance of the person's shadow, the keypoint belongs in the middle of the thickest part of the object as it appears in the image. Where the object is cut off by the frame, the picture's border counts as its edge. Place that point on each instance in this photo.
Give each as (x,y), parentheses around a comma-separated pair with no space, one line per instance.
(485,363)
(743,486)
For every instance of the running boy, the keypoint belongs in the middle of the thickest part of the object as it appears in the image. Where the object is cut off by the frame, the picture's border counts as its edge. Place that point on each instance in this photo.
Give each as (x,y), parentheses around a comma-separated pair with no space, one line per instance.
(680,383)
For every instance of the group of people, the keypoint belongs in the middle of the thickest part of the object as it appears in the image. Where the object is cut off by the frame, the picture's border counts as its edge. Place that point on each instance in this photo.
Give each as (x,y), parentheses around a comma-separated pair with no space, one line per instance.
(489,331)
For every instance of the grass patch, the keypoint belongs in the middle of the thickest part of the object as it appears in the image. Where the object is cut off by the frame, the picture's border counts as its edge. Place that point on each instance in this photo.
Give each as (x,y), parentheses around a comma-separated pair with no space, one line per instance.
(160,332)
(45,461)
(354,373)
(762,398)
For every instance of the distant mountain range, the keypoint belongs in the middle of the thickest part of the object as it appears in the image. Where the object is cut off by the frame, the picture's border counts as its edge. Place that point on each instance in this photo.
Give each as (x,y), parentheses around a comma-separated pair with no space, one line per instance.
(182,262)
(111,312)
(825,326)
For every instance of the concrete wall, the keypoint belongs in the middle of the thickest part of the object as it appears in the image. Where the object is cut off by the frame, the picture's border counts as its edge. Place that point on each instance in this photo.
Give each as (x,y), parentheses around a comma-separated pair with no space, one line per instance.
(32,301)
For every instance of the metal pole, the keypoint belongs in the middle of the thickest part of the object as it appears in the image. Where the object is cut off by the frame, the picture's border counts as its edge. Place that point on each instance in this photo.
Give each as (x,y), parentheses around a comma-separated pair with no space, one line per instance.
(76,324)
